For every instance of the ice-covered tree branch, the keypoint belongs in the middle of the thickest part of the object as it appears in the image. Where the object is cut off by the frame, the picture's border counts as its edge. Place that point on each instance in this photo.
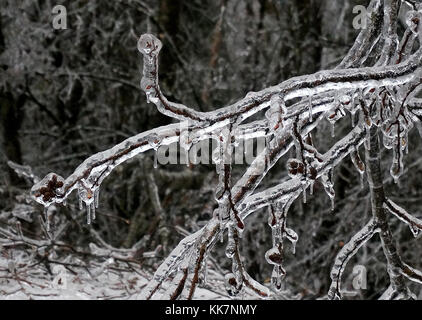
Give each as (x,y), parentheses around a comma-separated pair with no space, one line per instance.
(375,84)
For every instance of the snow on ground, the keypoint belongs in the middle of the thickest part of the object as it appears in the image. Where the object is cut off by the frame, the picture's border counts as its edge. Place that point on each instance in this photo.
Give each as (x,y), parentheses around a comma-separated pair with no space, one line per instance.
(23,277)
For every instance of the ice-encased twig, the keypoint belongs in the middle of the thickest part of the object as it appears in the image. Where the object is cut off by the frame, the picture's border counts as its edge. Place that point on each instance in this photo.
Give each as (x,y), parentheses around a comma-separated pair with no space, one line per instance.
(346,253)
(180,258)
(414,223)
(411,273)
(363,44)
(293,187)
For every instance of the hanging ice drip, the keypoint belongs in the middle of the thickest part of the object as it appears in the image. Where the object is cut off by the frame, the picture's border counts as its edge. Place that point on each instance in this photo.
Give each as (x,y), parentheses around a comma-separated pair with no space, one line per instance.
(275,256)
(185,142)
(337,113)
(89,197)
(48,191)
(358,163)
(154,141)
(327,182)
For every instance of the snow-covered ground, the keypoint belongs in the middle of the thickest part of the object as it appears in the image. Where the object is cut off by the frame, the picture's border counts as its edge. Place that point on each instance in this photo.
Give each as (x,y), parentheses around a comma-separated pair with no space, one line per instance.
(22,277)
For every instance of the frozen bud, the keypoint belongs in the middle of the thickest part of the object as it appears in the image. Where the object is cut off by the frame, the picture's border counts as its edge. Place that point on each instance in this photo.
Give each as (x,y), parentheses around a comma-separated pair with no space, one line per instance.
(148,85)
(358,163)
(46,191)
(232,286)
(295,167)
(313,173)
(345,99)
(274,257)
(149,45)
(86,195)
(412,20)
(335,116)
(230,250)
(154,141)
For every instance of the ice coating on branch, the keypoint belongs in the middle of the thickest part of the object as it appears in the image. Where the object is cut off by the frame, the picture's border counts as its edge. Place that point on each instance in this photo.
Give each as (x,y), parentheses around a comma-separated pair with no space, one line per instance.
(413,20)
(276,113)
(414,223)
(357,162)
(48,190)
(413,275)
(175,261)
(149,87)
(231,244)
(149,45)
(345,254)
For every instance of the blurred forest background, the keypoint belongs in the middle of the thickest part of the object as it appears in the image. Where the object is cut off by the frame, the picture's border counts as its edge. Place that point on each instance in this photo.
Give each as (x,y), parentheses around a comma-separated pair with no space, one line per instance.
(67,94)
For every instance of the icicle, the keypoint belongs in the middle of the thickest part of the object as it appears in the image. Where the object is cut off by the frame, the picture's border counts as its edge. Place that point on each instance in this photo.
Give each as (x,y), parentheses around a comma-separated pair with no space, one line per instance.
(231,245)
(310,108)
(272,219)
(223,205)
(328,186)
(276,237)
(93,211)
(277,277)
(205,272)
(294,247)
(292,237)
(96,197)
(304,193)
(311,187)
(217,212)
(333,133)
(185,143)
(332,203)
(352,116)
(415,231)
(88,213)
(357,162)
(155,159)
(362,180)
(268,151)
(81,206)
(396,169)
(47,220)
